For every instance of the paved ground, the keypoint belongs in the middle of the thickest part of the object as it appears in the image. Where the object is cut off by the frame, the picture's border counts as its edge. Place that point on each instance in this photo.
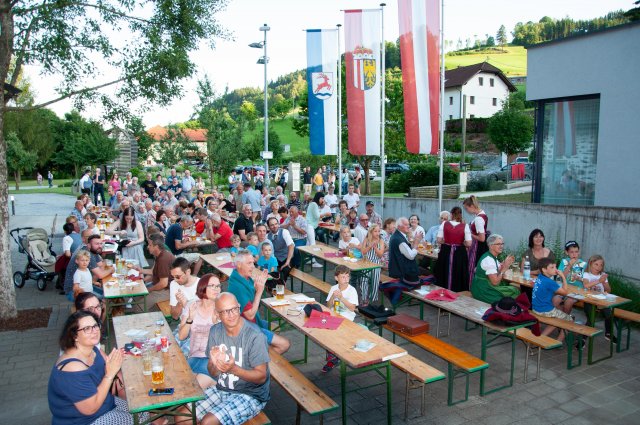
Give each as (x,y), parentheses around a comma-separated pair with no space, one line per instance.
(607,392)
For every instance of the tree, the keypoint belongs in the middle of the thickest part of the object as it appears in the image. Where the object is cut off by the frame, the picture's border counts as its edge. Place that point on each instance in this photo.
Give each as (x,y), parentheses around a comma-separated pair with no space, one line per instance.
(172,147)
(511,131)
(18,159)
(490,42)
(223,135)
(300,124)
(136,127)
(280,106)
(70,39)
(249,114)
(502,36)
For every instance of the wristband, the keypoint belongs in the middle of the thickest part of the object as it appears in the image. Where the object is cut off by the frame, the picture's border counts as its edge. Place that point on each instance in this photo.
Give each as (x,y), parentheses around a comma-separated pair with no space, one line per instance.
(188,322)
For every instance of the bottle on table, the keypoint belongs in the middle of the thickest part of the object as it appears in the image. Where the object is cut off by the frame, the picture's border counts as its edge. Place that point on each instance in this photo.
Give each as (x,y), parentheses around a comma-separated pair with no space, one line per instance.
(526,271)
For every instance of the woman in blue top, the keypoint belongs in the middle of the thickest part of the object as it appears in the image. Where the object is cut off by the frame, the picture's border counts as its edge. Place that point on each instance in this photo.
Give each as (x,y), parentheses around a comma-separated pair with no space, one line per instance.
(81,380)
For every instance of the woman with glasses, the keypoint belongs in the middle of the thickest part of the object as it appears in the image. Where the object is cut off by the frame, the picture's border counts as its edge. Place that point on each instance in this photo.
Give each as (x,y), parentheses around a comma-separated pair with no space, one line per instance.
(196,321)
(80,384)
(487,282)
(88,301)
(130,229)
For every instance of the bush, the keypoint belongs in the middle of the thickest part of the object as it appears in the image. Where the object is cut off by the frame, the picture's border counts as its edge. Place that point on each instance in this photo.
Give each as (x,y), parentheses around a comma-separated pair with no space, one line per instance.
(474,125)
(419,175)
(484,183)
(66,184)
(452,144)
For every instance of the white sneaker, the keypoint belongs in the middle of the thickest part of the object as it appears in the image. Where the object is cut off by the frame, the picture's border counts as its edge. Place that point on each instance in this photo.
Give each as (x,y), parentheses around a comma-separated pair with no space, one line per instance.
(316,264)
(128,306)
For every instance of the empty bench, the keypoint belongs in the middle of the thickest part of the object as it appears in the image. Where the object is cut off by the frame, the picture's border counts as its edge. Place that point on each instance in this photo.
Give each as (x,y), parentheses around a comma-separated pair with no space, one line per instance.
(310,280)
(418,375)
(165,308)
(624,319)
(459,362)
(305,393)
(541,342)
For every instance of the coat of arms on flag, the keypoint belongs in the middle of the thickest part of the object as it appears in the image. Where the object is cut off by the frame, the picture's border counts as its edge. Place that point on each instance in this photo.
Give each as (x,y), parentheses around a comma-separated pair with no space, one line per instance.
(364,67)
(322,84)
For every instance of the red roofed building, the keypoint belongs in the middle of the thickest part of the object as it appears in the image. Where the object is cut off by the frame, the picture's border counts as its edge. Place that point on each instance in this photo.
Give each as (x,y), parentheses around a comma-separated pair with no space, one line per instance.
(197,136)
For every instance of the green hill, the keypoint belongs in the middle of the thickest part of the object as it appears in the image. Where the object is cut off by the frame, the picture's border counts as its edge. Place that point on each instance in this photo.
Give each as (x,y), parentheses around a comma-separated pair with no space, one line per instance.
(513,61)
(287,135)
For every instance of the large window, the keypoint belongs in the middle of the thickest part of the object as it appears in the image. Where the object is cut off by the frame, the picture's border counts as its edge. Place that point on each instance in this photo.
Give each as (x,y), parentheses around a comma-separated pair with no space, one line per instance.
(568,158)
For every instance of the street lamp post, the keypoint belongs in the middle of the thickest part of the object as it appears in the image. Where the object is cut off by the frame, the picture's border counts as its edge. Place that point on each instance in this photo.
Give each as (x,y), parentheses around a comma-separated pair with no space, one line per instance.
(263,61)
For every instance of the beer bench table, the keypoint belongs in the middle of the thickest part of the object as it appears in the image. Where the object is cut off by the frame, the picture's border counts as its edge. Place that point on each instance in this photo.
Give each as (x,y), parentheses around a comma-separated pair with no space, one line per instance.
(472,310)
(361,267)
(177,373)
(341,342)
(218,260)
(113,293)
(586,297)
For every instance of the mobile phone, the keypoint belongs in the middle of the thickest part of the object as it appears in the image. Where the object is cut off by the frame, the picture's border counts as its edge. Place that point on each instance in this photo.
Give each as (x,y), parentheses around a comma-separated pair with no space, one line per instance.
(160,391)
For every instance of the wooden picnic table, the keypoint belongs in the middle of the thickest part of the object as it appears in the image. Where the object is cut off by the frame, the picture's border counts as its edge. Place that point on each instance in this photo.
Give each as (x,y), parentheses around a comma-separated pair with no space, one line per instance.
(116,297)
(177,372)
(430,255)
(342,342)
(472,310)
(218,260)
(320,251)
(585,296)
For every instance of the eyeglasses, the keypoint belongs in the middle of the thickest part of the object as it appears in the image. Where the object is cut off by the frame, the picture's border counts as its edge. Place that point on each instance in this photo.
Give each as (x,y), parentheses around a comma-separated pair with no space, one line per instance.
(93,308)
(88,329)
(499,244)
(214,286)
(230,312)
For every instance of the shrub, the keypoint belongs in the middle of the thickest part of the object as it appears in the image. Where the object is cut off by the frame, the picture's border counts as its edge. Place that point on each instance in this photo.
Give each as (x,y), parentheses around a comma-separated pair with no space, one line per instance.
(484,183)
(420,175)
(474,125)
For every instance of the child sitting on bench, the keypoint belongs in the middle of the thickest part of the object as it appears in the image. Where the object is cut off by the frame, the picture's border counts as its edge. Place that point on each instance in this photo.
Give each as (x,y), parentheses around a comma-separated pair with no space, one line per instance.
(545,292)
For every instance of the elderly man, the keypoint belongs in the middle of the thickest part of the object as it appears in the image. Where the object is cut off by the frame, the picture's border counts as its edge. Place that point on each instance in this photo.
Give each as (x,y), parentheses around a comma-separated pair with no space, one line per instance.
(176,244)
(86,183)
(219,232)
(352,198)
(172,201)
(293,200)
(157,278)
(152,213)
(187,185)
(374,217)
(77,213)
(133,187)
(306,200)
(283,247)
(248,287)
(296,224)
(280,191)
(244,223)
(115,205)
(97,267)
(239,362)
(362,228)
(402,264)
(432,233)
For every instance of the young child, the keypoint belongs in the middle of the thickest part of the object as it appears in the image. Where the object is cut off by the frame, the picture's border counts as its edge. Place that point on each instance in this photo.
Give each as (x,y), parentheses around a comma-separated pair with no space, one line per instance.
(349,242)
(595,279)
(347,298)
(82,280)
(572,267)
(545,290)
(252,239)
(267,261)
(235,244)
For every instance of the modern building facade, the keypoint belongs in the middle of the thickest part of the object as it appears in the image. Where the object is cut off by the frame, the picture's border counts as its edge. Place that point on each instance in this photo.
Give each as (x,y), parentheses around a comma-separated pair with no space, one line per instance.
(485,86)
(587,122)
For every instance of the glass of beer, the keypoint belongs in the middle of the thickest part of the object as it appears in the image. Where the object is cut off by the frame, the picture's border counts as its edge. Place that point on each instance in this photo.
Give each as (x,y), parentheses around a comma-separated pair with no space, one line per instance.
(280,292)
(147,355)
(157,370)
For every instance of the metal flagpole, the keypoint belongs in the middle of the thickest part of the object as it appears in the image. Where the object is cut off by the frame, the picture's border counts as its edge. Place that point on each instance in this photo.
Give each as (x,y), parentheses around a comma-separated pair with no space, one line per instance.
(339,82)
(382,83)
(441,104)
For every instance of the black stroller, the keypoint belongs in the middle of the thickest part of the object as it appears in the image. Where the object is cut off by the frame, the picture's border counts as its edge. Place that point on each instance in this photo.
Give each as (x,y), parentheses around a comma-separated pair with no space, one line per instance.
(41,260)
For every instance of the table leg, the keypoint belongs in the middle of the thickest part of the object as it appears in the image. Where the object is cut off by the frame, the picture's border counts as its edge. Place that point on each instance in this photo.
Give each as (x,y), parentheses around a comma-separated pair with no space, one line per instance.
(194,420)
(145,303)
(592,320)
(343,390)
(483,356)
(389,407)
(324,270)
(136,419)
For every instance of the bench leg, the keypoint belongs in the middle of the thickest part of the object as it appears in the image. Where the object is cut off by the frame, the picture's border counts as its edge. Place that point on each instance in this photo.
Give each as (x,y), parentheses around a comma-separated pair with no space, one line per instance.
(620,325)
(452,373)
(570,342)
(298,415)
(526,363)
(406,397)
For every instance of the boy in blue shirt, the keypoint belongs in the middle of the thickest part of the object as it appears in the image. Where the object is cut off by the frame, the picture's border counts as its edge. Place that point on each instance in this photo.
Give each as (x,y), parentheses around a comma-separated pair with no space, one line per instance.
(267,261)
(252,247)
(545,292)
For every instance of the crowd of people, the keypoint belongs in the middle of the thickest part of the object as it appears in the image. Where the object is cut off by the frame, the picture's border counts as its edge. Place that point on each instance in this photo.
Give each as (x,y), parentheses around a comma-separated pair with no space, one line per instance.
(263,227)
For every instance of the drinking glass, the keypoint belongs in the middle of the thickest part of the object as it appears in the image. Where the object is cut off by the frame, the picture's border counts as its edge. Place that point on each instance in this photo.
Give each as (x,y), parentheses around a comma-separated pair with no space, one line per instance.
(157,370)
(279,292)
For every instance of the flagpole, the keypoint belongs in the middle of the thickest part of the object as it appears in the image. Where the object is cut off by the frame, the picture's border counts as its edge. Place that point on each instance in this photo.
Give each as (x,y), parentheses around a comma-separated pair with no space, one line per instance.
(339,80)
(441,105)
(382,83)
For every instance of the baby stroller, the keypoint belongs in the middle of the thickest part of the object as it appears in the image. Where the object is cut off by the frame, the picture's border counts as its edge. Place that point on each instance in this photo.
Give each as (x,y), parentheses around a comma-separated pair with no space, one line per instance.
(36,244)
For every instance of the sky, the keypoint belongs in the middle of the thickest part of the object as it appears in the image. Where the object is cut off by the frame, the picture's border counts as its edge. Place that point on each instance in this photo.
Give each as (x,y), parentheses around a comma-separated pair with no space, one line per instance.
(232,63)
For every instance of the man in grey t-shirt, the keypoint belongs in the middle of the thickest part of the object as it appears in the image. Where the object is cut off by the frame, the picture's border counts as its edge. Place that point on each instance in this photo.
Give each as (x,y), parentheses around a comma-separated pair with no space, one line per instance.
(239,361)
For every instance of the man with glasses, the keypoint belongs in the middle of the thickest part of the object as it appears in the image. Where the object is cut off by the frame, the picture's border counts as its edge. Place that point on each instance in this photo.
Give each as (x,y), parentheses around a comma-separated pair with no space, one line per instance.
(182,288)
(361,229)
(239,361)
(248,291)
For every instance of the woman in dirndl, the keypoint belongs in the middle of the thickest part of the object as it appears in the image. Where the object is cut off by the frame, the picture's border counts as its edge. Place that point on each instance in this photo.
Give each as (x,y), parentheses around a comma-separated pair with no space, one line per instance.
(452,266)
(479,233)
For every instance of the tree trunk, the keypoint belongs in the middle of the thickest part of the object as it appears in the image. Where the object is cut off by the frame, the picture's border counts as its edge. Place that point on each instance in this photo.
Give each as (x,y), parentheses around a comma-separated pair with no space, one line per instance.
(16,176)
(8,309)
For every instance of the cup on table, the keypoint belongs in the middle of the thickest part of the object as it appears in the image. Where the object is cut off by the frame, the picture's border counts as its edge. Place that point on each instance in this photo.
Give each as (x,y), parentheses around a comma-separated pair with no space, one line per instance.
(157,370)
(280,292)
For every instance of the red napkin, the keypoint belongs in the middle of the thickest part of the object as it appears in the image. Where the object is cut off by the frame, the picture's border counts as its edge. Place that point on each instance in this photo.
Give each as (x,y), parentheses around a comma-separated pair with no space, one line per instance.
(332,255)
(315,320)
(227,265)
(325,224)
(441,295)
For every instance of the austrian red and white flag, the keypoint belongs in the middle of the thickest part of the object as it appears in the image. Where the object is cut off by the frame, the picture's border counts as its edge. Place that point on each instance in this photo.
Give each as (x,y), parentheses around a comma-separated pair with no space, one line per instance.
(363,38)
(419,22)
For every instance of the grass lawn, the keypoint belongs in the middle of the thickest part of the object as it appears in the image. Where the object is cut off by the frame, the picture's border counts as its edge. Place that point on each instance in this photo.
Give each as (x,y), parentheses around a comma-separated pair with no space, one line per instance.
(514,197)
(287,135)
(512,62)
(42,189)
(45,189)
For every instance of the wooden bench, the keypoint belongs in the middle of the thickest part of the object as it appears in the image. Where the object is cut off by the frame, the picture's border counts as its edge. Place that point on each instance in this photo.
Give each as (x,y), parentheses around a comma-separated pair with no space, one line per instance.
(259,419)
(570,328)
(303,277)
(459,362)
(165,308)
(418,374)
(624,319)
(449,191)
(541,342)
(305,393)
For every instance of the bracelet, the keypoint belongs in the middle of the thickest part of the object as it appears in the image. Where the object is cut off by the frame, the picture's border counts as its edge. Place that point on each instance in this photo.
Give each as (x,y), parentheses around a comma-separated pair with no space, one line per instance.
(188,322)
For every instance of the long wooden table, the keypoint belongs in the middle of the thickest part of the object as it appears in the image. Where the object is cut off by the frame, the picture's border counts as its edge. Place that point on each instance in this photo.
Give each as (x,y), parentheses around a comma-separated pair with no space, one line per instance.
(360,267)
(177,373)
(585,296)
(113,293)
(219,259)
(472,310)
(341,342)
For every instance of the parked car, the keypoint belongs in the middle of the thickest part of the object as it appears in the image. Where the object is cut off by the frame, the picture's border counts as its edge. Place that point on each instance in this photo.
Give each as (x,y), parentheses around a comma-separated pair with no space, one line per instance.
(392,168)
(504,174)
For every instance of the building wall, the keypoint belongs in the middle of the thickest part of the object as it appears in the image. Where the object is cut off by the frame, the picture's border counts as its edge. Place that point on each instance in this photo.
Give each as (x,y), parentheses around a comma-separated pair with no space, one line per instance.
(604,63)
(605,231)
(484,95)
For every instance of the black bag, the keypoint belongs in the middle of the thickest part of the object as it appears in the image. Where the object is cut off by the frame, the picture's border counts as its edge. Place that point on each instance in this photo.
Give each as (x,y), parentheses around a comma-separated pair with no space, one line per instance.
(377,313)
(122,244)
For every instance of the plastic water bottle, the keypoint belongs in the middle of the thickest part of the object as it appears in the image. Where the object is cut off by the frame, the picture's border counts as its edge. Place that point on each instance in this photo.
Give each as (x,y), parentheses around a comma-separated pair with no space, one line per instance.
(526,272)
